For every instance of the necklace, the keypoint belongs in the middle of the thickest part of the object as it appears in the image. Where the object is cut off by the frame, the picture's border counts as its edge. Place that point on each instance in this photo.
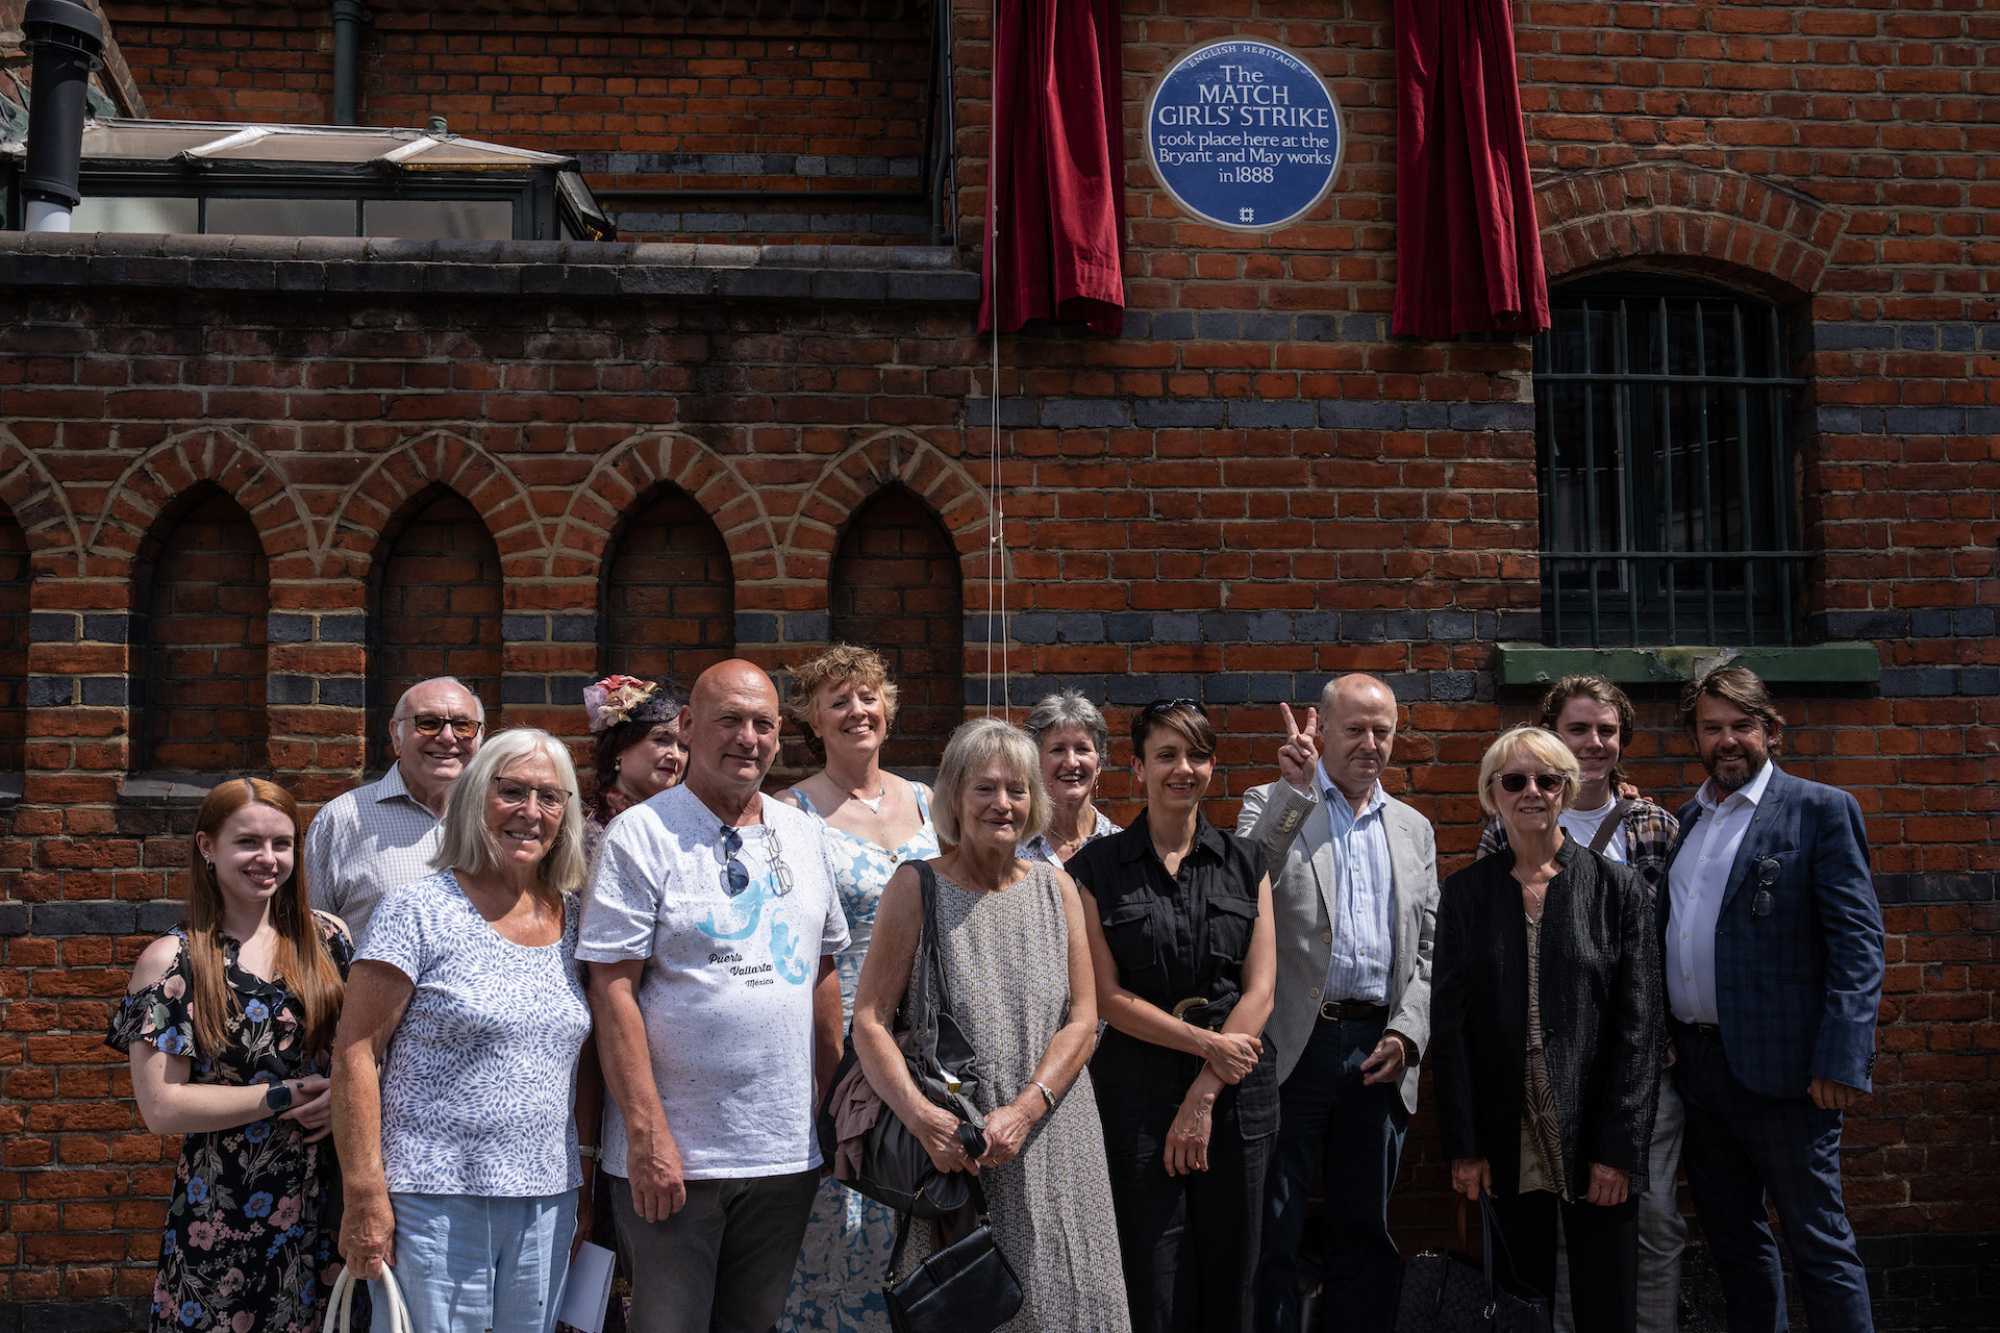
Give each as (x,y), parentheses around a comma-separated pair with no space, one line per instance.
(874,803)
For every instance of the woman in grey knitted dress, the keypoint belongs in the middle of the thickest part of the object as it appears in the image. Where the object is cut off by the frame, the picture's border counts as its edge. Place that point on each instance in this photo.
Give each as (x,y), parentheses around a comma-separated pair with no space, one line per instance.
(1012,942)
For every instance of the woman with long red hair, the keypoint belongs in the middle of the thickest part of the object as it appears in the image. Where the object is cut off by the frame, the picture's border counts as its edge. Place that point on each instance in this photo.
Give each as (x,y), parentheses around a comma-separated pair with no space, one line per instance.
(229,1022)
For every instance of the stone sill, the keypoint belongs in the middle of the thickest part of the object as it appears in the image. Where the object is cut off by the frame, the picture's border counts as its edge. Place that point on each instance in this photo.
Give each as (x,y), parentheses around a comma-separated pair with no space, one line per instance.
(169,788)
(342,264)
(1825,663)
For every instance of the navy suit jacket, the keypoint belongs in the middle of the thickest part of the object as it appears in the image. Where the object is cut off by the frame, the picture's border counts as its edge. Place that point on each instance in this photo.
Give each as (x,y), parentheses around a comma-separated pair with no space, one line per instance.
(1798,944)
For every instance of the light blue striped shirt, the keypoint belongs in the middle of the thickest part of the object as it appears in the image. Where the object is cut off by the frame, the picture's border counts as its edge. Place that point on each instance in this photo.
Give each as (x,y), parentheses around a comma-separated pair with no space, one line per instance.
(1362,894)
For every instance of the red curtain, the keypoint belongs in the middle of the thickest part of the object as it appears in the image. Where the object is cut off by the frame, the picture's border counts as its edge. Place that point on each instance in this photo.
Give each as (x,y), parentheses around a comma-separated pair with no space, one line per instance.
(1468,253)
(1056,169)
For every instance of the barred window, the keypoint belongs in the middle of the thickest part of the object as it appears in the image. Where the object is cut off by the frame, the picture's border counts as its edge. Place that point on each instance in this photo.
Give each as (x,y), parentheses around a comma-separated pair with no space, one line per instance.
(1663,448)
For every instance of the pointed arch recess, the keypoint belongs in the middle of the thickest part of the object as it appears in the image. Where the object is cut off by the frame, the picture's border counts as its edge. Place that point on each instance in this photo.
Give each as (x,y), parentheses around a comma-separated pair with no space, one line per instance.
(1734,227)
(361,526)
(151,484)
(39,505)
(850,481)
(636,469)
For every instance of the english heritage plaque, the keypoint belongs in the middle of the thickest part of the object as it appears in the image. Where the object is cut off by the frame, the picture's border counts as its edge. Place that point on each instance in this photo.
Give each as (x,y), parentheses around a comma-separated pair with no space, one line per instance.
(1244,134)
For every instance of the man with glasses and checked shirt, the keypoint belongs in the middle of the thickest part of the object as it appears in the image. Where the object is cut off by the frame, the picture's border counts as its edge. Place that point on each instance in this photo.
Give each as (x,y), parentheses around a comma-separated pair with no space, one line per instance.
(379,837)
(1354,890)
(710,928)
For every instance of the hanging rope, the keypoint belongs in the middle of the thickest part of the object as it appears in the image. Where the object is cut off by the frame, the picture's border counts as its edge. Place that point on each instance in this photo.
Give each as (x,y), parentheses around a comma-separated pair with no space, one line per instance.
(996,506)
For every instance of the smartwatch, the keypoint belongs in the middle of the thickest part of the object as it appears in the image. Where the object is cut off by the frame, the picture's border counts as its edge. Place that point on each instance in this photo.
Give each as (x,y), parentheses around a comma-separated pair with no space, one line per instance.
(279,1097)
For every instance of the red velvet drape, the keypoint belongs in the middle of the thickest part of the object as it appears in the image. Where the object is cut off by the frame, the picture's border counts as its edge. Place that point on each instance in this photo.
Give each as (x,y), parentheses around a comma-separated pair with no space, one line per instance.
(1056,169)
(1468,253)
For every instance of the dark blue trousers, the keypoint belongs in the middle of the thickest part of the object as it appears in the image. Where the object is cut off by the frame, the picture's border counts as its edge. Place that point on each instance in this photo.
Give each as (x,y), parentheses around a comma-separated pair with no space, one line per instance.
(1323,1108)
(1740,1146)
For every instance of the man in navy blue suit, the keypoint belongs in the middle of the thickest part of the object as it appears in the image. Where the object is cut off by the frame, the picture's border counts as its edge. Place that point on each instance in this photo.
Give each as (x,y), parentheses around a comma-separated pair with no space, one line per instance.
(1773,962)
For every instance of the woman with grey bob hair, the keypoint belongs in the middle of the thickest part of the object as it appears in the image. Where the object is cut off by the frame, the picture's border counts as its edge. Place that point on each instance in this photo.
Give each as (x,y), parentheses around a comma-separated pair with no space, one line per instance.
(1016,965)
(1070,734)
(457,1101)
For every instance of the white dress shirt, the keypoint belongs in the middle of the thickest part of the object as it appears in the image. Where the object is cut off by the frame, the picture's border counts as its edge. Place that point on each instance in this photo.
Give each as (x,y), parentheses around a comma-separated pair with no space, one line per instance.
(1697,881)
(364,843)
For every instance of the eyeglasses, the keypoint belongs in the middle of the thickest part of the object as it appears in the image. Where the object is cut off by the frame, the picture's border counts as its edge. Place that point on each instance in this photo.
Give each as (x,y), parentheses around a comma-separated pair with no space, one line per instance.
(517,794)
(430,724)
(736,875)
(1159,706)
(1548,784)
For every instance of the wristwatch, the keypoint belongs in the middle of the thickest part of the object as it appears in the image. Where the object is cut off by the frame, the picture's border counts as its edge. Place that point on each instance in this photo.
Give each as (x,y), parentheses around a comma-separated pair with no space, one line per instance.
(590,1152)
(279,1097)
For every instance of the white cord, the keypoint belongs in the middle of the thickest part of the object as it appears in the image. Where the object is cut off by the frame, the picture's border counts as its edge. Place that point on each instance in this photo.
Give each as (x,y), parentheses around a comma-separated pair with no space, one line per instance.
(996,505)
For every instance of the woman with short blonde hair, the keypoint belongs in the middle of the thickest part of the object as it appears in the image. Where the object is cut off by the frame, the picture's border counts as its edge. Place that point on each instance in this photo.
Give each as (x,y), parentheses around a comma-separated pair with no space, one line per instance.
(457,1100)
(874,821)
(1545,1035)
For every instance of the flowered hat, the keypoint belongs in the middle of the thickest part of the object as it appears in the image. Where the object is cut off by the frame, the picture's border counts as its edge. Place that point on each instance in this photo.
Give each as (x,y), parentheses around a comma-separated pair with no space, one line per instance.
(617,699)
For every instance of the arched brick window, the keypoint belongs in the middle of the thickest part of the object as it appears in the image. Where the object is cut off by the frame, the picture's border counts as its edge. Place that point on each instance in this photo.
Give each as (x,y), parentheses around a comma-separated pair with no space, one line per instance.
(895,587)
(14,579)
(437,611)
(669,598)
(201,601)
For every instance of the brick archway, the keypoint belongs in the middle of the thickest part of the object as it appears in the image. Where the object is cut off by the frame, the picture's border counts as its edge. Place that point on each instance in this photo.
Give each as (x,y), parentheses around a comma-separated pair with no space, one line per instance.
(149,486)
(1730,226)
(369,509)
(940,483)
(39,505)
(638,468)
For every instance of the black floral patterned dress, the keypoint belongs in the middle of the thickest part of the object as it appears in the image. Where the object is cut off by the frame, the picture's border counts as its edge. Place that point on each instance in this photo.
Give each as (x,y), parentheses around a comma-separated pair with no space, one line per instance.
(251,1229)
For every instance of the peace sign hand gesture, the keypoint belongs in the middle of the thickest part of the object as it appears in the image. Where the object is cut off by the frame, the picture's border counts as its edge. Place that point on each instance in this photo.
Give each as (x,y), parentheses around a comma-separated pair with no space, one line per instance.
(1299,755)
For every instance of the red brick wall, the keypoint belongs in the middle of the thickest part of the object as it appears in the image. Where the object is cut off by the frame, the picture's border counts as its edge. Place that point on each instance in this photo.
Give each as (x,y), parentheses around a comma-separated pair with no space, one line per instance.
(648,103)
(669,596)
(895,588)
(204,597)
(437,610)
(14,579)
(1254,487)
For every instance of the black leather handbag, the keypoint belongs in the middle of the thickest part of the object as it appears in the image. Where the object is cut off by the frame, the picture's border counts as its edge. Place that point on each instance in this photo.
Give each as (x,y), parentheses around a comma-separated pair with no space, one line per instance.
(966,1287)
(1448,1292)
(895,1168)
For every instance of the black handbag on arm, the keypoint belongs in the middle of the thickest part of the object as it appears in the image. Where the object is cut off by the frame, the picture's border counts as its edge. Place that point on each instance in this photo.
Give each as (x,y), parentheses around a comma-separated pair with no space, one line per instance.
(1446,1292)
(966,1287)
(895,1167)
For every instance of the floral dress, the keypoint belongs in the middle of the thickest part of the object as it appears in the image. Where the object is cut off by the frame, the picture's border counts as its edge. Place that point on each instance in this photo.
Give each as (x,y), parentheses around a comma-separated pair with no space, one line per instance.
(252,1226)
(838,1285)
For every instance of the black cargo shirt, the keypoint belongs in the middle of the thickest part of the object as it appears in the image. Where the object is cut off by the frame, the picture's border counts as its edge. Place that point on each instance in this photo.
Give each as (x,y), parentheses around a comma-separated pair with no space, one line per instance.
(1176,939)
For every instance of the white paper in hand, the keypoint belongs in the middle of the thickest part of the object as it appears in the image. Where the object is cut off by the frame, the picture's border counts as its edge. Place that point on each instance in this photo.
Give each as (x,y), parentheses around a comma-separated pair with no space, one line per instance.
(587,1293)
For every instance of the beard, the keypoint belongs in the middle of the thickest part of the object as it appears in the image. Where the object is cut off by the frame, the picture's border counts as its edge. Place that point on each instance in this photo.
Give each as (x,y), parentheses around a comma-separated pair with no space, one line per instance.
(1753,764)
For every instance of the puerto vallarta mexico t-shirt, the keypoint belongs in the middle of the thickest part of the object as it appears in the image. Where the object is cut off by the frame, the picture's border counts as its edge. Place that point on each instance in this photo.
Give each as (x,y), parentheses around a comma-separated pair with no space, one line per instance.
(727,986)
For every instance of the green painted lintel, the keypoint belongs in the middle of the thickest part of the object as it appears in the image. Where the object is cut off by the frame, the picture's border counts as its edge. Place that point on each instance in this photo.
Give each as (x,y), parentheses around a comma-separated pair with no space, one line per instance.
(1537,664)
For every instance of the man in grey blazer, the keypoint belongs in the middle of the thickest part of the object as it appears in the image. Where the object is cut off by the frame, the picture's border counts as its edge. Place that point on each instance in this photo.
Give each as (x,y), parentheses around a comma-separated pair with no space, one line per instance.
(1354,890)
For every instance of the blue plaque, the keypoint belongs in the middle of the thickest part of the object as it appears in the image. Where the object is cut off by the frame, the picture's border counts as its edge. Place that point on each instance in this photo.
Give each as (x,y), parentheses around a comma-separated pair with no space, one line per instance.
(1244,134)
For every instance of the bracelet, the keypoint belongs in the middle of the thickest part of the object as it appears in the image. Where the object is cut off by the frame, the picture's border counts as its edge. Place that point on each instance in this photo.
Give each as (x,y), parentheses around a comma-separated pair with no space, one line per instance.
(1047,1096)
(590,1152)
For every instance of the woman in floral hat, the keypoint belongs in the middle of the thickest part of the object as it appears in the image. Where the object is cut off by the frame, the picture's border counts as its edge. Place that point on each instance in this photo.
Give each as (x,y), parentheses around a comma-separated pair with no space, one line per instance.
(638,749)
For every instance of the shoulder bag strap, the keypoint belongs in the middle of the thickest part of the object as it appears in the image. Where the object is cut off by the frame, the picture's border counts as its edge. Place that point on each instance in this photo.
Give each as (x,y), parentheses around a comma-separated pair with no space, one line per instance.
(1609,828)
(926,971)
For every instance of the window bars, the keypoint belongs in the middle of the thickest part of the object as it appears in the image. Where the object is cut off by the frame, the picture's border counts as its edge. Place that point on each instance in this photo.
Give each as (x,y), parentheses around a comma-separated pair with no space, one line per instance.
(1664,458)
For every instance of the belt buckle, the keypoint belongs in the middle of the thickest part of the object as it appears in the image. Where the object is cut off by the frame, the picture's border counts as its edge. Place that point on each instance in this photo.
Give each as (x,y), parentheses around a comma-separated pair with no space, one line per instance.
(1193,1001)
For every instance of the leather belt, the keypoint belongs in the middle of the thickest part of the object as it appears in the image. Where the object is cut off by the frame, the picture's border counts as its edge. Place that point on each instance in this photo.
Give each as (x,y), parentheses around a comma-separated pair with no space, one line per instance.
(1352,1011)
(1212,1021)
(1708,1032)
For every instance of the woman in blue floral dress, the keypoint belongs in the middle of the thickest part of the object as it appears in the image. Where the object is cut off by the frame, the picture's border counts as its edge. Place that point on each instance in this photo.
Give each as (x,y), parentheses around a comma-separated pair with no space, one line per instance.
(875,821)
(228,1023)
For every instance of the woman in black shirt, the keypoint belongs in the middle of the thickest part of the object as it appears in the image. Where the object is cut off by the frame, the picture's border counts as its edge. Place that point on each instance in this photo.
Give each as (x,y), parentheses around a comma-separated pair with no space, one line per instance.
(1179,918)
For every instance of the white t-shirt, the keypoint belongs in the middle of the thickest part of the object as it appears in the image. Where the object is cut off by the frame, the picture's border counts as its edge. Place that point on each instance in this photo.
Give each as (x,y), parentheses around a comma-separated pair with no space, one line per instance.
(727,990)
(1583,825)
